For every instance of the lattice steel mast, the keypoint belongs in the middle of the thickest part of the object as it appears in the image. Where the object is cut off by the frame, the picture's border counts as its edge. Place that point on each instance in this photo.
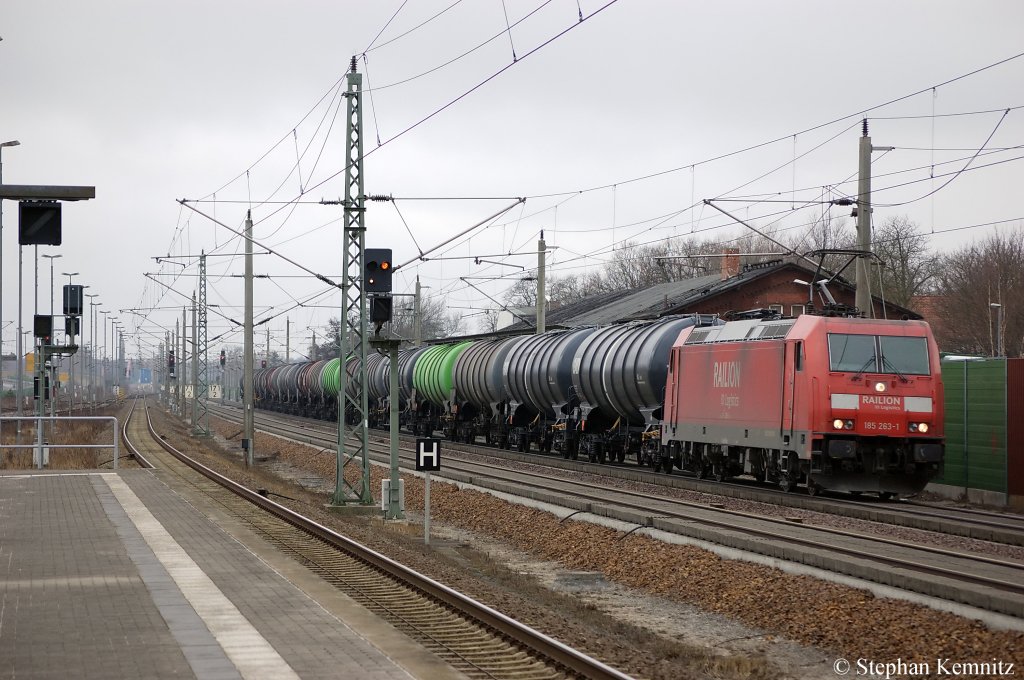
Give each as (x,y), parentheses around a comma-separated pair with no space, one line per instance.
(352,398)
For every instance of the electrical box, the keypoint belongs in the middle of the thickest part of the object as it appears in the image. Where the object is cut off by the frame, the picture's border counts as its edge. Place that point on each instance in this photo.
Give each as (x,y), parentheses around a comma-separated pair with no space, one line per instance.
(385,494)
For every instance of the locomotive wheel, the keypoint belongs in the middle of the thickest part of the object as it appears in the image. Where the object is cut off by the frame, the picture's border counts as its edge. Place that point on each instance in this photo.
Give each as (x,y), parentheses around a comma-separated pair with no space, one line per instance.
(719,472)
(787,483)
(621,456)
(812,488)
(702,470)
(666,465)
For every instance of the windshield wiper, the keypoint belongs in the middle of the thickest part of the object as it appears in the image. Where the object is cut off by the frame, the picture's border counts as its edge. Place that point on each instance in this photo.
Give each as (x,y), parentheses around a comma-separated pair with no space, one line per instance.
(860,372)
(886,362)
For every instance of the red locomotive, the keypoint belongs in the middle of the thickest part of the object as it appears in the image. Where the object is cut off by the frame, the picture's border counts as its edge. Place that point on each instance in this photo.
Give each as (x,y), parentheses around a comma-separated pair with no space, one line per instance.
(836,403)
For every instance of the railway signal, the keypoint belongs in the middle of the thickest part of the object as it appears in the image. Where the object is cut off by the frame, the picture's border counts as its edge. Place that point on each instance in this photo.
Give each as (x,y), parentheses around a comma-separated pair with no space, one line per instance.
(43,328)
(377,271)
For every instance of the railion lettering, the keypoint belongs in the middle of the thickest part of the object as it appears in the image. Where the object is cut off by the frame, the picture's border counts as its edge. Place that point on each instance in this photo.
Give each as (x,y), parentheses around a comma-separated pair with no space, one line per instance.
(727,374)
(879,400)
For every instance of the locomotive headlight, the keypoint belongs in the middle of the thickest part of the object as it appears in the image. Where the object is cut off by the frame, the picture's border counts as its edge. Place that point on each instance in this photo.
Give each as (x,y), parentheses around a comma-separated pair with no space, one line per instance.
(848,424)
(837,423)
(879,387)
(922,427)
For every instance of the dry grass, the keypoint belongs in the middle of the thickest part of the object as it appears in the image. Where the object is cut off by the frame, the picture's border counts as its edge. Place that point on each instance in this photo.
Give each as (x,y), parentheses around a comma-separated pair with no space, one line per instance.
(65,433)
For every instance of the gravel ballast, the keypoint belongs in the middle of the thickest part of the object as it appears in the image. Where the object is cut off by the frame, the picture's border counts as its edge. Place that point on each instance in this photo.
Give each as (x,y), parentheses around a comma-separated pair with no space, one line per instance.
(839,621)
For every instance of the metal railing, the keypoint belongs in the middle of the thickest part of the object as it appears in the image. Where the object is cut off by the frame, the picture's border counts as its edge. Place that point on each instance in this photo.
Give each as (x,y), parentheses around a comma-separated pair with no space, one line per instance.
(42,449)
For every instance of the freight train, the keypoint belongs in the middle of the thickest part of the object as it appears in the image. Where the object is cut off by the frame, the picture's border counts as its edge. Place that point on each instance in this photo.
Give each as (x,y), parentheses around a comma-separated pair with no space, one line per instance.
(828,402)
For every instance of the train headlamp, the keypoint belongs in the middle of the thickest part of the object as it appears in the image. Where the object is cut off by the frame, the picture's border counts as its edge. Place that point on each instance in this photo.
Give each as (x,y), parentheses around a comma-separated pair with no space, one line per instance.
(841,424)
(919,427)
(879,387)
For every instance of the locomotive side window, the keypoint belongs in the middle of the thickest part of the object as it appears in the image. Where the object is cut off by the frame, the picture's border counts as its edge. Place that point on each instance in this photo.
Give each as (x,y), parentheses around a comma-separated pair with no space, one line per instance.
(878,354)
(852,353)
(904,355)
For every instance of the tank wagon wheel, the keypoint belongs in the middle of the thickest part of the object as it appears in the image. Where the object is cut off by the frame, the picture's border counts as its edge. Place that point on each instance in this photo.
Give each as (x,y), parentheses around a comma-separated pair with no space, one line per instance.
(886,495)
(702,470)
(621,456)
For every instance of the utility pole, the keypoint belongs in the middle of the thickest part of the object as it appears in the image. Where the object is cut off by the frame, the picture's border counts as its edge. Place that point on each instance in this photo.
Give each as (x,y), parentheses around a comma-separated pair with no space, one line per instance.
(248,417)
(863,295)
(179,361)
(195,366)
(201,424)
(541,293)
(267,352)
(417,317)
(183,363)
(287,340)
(353,440)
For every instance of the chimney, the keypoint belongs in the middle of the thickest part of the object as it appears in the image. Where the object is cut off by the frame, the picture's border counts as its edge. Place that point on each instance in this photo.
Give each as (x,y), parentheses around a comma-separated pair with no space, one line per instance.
(730,263)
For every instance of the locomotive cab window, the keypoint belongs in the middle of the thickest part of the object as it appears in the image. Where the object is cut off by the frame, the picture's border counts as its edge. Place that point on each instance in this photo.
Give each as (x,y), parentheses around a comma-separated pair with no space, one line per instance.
(903,355)
(878,354)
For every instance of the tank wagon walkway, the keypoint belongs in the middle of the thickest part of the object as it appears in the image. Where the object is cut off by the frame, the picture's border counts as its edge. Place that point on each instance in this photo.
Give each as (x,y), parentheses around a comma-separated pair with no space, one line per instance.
(115,575)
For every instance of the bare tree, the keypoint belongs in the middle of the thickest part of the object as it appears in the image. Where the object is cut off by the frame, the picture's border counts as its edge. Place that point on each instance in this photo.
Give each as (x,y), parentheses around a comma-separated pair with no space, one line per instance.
(968,281)
(909,266)
(827,233)
(634,267)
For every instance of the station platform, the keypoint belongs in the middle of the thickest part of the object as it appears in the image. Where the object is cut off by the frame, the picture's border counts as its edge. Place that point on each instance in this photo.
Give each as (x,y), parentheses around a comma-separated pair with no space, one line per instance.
(116,575)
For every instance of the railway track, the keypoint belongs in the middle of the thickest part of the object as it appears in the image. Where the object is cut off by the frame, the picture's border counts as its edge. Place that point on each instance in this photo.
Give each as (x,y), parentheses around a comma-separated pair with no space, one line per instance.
(985,582)
(1002,528)
(477,640)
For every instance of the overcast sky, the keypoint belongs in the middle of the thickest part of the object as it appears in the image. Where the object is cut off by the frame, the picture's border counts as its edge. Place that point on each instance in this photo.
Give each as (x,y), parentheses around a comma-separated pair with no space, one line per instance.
(153,102)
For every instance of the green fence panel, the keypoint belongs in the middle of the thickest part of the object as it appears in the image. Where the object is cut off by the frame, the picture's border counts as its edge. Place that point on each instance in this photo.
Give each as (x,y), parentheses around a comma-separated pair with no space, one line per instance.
(975,404)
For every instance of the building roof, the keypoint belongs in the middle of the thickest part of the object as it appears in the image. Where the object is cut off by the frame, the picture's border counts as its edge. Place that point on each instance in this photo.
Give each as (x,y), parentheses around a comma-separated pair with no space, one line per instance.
(673,297)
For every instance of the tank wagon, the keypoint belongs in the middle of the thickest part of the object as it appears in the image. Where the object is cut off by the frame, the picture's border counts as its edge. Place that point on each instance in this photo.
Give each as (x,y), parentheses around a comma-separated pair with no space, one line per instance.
(832,402)
(837,403)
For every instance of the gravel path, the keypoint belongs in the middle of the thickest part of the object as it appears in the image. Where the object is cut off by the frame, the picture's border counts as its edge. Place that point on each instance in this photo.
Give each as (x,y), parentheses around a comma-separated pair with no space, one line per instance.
(832,620)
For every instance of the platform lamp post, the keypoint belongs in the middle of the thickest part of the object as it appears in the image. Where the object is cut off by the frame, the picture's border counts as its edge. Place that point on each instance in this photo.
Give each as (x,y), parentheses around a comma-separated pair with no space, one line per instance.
(71,362)
(103,360)
(4,145)
(92,349)
(999,326)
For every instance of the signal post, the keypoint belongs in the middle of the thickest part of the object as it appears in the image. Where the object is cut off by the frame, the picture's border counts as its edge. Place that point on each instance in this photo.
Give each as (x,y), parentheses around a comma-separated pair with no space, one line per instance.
(377,282)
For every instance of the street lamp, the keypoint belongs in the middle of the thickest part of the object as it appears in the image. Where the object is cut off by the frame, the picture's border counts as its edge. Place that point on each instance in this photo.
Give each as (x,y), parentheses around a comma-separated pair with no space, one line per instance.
(103,361)
(51,258)
(999,326)
(4,145)
(92,347)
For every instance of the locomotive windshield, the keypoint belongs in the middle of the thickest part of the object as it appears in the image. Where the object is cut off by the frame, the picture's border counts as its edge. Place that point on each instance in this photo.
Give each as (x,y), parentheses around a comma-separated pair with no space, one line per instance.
(899,355)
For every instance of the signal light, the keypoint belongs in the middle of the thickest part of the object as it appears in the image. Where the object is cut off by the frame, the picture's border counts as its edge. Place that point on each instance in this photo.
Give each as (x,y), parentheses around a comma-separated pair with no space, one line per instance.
(170,363)
(42,327)
(377,271)
(263,363)
(223,359)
